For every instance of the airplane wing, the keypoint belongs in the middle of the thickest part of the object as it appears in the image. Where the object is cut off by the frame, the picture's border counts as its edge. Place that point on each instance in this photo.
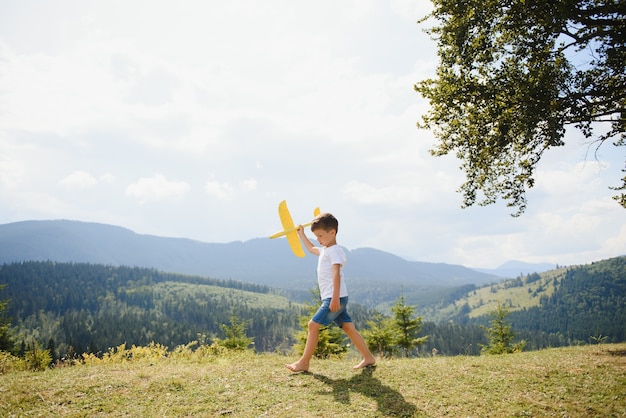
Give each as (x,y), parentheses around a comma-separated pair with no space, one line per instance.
(290,230)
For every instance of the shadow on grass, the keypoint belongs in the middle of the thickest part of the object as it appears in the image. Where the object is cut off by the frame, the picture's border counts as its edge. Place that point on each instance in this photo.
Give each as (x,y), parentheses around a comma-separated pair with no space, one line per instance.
(390,401)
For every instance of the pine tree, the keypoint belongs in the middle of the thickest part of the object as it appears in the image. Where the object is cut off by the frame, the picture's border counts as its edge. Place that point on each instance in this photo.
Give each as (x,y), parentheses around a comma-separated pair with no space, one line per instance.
(36,358)
(52,350)
(407,327)
(236,338)
(380,335)
(6,342)
(500,334)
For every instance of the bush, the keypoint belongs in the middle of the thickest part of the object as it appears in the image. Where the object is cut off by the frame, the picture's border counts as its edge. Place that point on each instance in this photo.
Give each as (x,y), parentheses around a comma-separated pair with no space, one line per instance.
(9,363)
(37,359)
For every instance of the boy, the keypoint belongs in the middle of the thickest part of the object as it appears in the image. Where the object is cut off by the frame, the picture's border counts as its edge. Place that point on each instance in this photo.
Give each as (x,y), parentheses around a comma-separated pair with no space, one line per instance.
(332,290)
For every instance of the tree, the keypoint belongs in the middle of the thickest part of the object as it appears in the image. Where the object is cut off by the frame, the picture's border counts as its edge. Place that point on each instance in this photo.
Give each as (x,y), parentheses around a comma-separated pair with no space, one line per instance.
(512,75)
(236,338)
(6,342)
(380,335)
(407,326)
(36,358)
(500,334)
(52,350)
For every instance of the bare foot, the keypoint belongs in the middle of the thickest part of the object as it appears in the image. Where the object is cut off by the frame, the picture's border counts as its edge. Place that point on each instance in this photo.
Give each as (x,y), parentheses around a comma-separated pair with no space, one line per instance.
(297,367)
(365,363)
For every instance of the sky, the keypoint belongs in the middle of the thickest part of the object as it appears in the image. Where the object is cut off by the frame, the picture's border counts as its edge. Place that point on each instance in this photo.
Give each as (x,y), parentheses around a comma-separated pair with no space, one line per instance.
(194,119)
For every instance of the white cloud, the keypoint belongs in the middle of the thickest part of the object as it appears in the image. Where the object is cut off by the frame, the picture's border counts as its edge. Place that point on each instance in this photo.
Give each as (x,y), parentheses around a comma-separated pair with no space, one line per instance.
(248,184)
(10,173)
(566,179)
(107,178)
(390,195)
(613,244)
(411,9)
(157,188)
(78,180)
(222,191)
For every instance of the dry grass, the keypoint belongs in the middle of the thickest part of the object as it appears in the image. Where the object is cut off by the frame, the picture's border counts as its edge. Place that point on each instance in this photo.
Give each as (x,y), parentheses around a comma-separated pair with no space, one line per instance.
(566,382)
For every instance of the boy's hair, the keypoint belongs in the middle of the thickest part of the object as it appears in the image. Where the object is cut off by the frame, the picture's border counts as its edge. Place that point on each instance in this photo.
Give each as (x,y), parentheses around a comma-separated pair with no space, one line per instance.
(325,221)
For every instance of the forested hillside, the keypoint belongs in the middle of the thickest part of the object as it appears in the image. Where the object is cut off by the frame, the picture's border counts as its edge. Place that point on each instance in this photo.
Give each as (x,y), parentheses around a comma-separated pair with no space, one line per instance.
(559,307)
(589,301)
(94,307)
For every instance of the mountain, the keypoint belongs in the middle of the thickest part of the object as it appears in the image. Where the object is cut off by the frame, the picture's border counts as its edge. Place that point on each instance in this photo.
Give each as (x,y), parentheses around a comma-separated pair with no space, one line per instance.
(513,268)
(260,260)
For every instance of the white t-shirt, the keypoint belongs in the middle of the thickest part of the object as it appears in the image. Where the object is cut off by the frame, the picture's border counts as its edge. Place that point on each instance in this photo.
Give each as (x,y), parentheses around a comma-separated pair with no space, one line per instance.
(329,256)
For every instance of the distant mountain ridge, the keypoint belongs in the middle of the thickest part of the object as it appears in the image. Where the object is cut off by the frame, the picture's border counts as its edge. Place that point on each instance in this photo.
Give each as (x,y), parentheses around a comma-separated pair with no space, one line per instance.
(259,260)
(514,268)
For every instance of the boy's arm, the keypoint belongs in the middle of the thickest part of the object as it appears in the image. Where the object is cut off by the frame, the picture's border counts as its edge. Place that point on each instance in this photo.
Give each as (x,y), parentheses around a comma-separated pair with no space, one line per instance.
(335,304)
(307,243)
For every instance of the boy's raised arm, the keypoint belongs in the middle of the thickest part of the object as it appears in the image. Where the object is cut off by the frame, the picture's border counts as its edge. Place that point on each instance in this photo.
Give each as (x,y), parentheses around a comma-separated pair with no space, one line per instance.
(307,243)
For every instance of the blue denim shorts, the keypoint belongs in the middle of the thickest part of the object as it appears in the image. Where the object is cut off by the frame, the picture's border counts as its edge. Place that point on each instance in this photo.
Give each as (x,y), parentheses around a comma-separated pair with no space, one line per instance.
(325,317)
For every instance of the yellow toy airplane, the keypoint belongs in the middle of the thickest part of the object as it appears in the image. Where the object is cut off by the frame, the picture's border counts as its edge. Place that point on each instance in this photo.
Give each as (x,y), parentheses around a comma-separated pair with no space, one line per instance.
(290,230)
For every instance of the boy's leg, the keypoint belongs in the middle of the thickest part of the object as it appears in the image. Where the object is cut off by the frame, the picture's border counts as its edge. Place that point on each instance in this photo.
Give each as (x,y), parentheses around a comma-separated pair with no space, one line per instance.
(359,343)
(302,365)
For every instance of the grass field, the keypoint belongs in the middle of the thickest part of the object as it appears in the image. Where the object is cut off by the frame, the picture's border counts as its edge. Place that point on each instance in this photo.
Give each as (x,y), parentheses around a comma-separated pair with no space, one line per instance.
(565,382)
